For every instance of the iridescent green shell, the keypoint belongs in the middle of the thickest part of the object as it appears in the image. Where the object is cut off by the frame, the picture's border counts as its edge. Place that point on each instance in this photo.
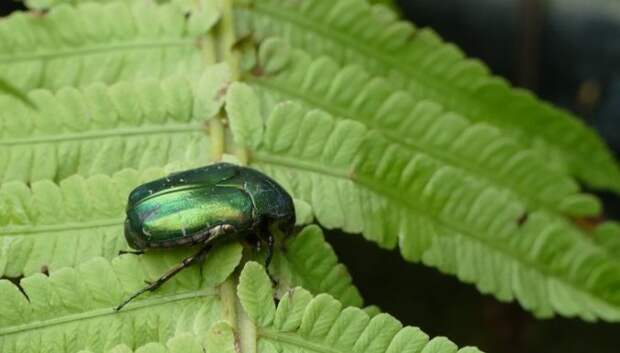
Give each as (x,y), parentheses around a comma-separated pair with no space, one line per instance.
(217,202)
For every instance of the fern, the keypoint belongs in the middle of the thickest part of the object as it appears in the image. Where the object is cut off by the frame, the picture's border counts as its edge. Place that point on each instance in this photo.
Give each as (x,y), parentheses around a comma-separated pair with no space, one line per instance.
(54,226)
(311,263)
(375,127)
(73,308)
(103,129)
(424,128)
(51,226)
(301,323)
(356,180)
(352,31)
(69,312)
(76,46)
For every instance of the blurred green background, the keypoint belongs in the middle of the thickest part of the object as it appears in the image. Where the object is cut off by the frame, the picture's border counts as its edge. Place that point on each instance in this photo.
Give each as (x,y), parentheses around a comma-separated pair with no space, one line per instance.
(568,52)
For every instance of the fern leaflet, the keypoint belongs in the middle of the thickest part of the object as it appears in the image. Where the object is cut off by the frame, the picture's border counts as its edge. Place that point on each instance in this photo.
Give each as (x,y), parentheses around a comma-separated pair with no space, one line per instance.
(302,323)
(103,129)
(356,180)
(424,127)
(76,46)
(353,31)
(72,309)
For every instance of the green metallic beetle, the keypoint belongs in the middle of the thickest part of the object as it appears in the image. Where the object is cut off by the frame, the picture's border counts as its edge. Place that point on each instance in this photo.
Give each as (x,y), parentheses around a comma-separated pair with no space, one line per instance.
(208,205)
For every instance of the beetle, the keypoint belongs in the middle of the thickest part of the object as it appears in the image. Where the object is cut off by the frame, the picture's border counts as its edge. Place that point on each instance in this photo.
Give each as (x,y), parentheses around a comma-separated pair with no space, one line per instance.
(208,205)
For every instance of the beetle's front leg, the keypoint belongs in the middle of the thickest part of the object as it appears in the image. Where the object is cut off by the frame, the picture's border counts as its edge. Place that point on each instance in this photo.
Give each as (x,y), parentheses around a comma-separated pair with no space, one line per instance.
(166,276)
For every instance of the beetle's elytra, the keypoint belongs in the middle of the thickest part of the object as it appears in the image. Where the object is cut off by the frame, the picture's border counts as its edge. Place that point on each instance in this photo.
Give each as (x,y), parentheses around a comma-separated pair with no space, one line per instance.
(218,203)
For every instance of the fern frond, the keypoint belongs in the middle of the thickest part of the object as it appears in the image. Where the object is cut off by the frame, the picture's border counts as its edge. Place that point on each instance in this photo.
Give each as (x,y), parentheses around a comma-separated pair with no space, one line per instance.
(479,149)
(358,181)
(310,262)
(302,323)
(353,31)
(76,46)
(51,226)
(103,129)
(73,308)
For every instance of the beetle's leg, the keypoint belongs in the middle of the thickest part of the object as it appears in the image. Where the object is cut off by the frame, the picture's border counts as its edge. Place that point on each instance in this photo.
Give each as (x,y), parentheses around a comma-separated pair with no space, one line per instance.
(134,252)
(166,276)
(270,244)
(270,240)
(269,257)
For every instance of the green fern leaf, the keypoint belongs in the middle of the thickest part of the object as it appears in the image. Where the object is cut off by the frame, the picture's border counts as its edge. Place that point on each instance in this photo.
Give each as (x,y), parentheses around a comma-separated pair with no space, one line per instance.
(310,262)
(52,226)
(76,46)
(423,127)
(103,129)
(321,324)
(195,309)
(356,180)
(73,308)
(241,102)
(70,312)
(256,295)
(353,31)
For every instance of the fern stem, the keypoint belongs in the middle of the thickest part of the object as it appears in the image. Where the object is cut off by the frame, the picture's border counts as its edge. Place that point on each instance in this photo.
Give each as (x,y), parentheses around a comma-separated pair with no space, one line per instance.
(229,305)
(216,133)
(208,48)
(233,313)
(226,31)
(138,131)
(157,301)
(243,155)
(246,330)
(24,230)
(97,49)
(267,158)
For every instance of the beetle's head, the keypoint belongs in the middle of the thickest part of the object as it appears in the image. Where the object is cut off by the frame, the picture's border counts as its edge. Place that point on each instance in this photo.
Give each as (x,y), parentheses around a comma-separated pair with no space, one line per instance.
(134,239)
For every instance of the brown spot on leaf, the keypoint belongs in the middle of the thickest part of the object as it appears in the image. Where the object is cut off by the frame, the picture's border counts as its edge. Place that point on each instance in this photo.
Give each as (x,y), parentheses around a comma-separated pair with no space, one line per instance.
(588,224)
(258,71)
(222,91)
(522,219)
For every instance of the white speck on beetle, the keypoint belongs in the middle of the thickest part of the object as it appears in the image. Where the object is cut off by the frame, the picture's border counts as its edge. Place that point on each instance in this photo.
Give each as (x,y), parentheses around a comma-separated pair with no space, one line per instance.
(147,233)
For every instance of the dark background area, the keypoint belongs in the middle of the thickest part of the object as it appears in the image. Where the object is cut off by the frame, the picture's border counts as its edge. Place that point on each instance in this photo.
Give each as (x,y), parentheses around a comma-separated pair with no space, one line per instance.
(568,52)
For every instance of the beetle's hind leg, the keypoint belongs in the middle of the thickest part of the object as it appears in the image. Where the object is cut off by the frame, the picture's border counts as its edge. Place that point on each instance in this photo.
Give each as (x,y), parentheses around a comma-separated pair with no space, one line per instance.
(134,252)
(166,276)
(266,237)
